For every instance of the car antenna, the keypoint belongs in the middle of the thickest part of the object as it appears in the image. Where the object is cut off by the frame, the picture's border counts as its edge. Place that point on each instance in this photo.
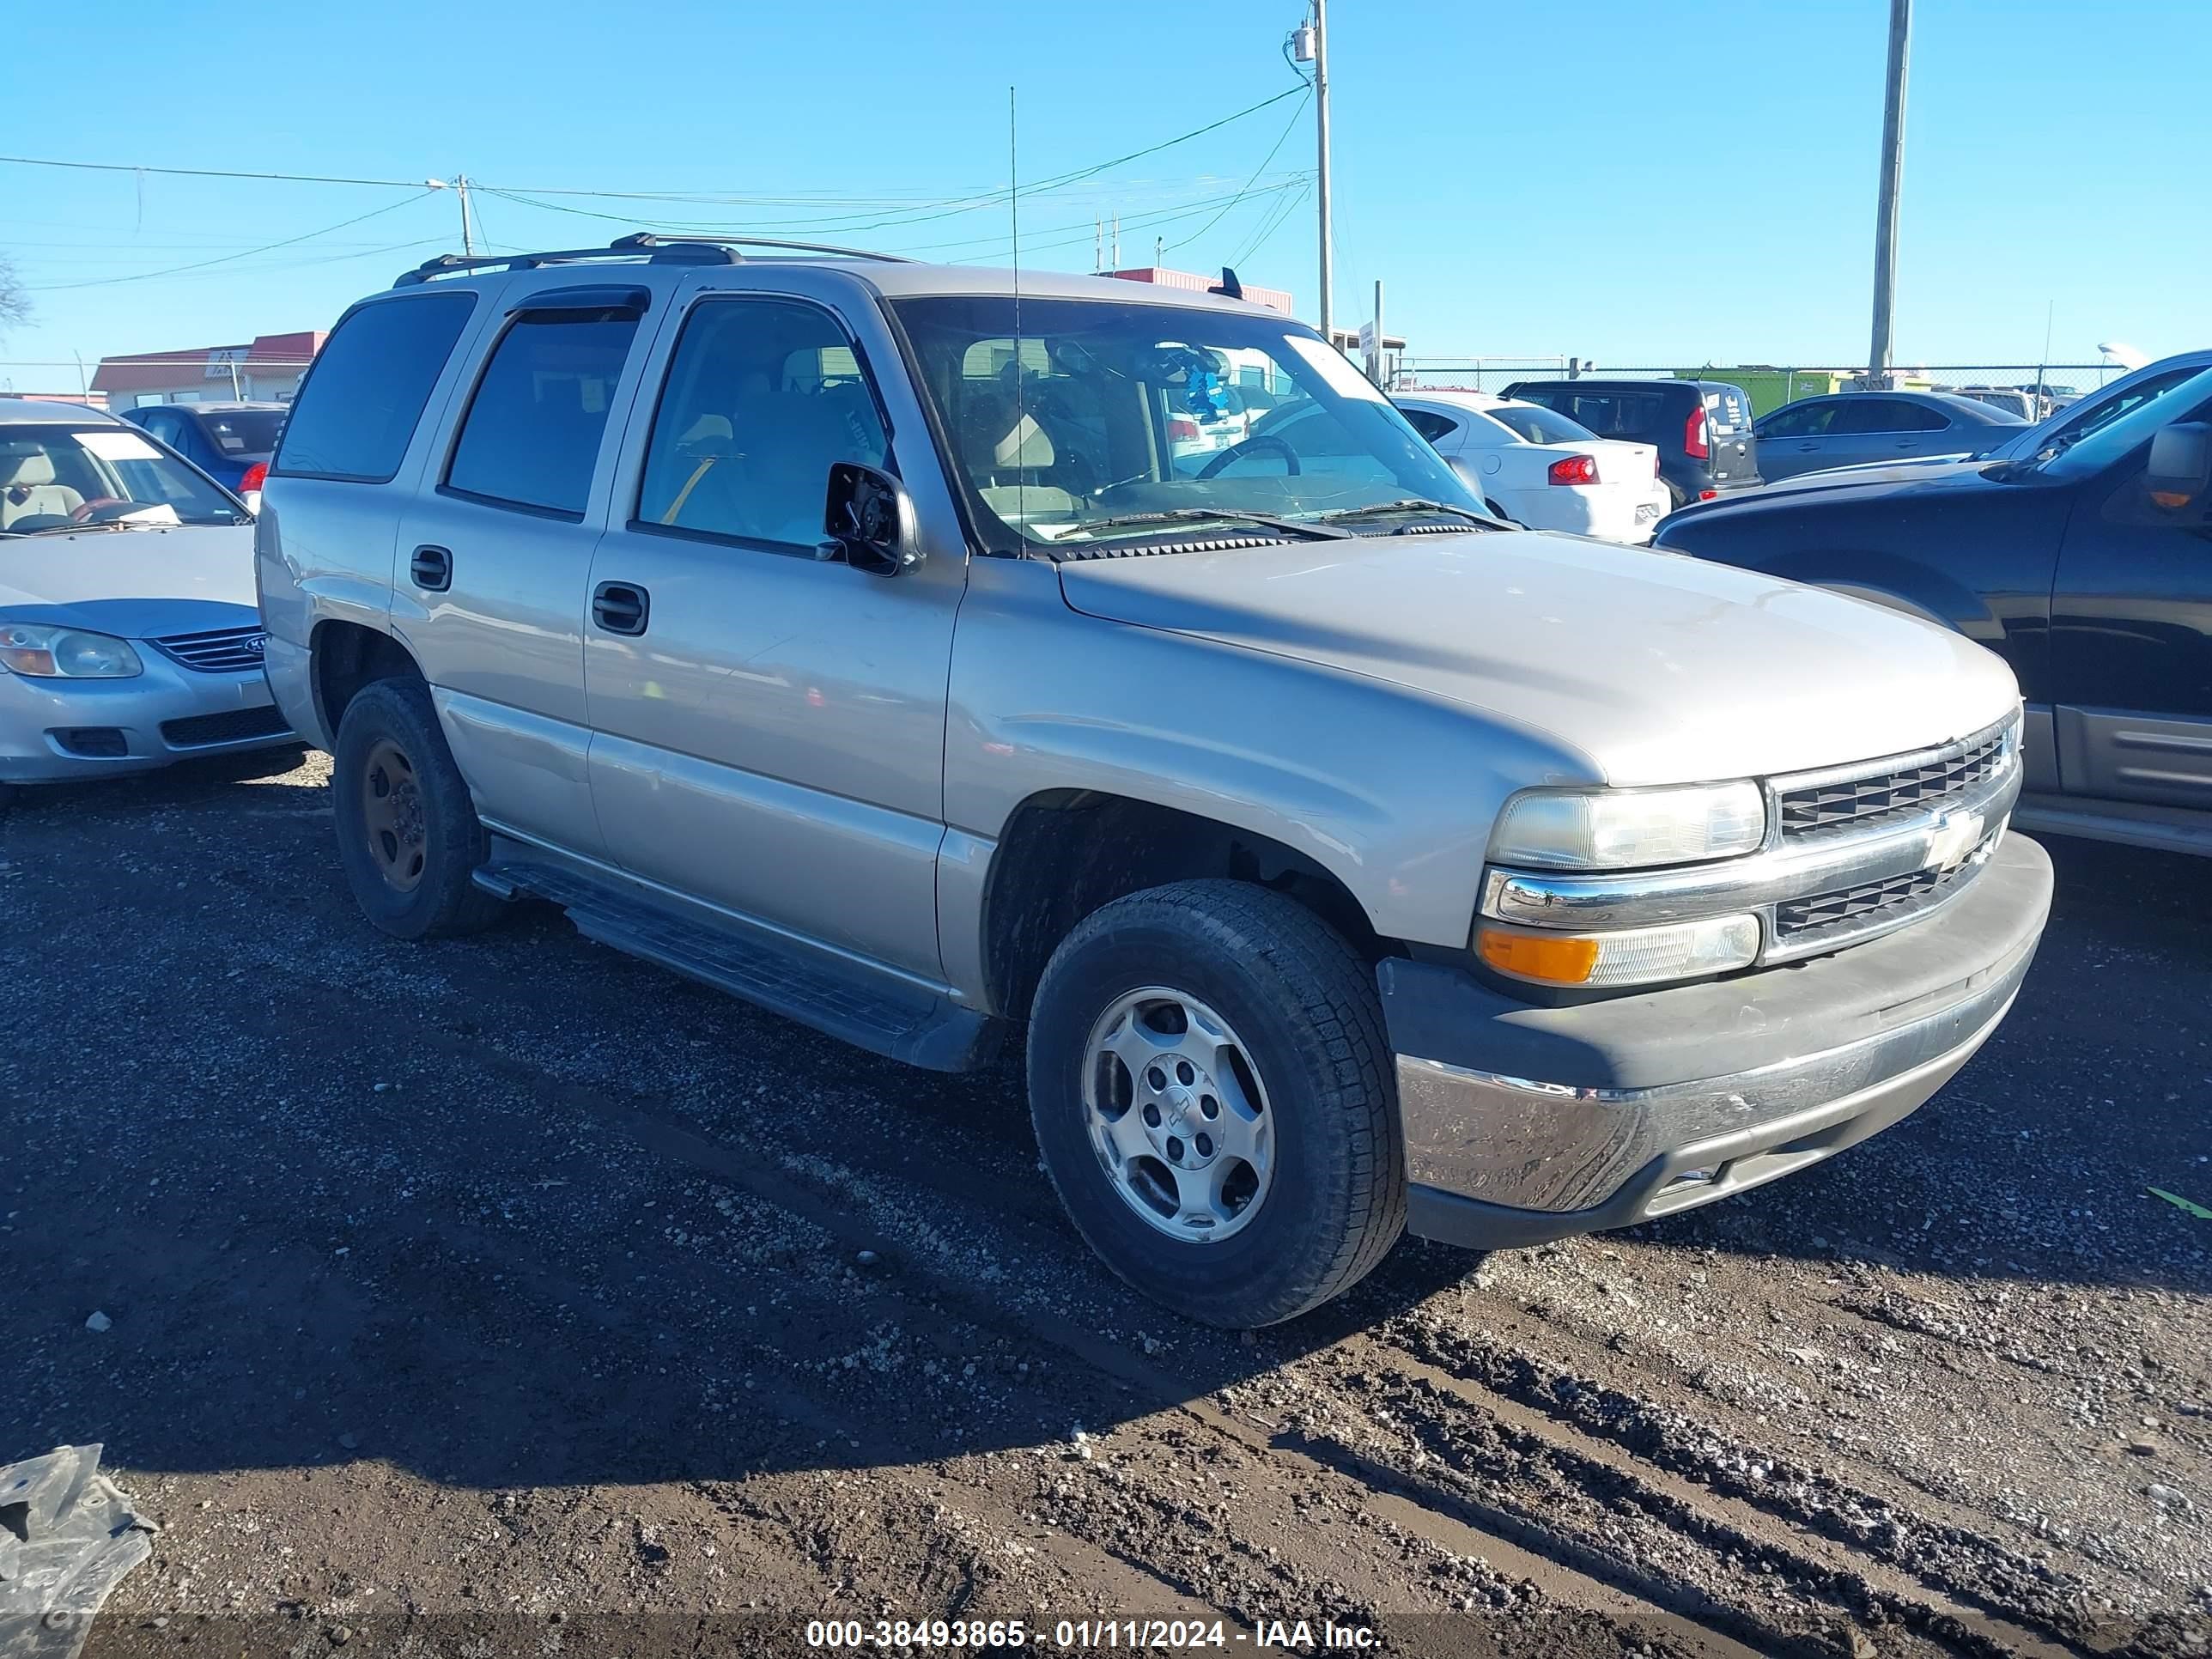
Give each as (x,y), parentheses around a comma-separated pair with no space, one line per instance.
(1014,215)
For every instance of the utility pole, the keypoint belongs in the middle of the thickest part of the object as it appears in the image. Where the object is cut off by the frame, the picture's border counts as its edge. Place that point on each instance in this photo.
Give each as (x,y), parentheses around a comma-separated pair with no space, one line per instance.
(459,186)
(1321,176)
(1893,170)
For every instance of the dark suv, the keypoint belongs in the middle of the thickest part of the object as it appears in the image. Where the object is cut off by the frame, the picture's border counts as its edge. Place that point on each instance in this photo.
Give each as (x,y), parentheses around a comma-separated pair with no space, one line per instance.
(1702,428)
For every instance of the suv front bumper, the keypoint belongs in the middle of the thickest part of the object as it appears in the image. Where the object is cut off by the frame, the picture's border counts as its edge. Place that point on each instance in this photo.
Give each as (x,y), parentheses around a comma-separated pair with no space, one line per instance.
(1524,1124)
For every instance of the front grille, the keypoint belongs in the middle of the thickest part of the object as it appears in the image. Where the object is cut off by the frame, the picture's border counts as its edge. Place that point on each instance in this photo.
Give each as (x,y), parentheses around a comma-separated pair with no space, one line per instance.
(232,725)
(1862,905)
(217,651)
(1858,801)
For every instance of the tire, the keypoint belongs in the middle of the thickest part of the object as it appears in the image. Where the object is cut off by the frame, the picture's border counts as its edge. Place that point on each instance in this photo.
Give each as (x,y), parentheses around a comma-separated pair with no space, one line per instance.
(1303,1012)
(408,838)
(1675,498)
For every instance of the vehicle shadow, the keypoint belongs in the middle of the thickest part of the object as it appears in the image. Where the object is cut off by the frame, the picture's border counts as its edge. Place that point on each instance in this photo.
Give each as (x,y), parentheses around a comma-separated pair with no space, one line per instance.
(515,1212)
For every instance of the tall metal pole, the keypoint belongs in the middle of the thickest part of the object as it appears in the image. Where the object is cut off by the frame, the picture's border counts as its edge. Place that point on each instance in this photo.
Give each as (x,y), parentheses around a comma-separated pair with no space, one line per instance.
(1321,129)
(468,229)
(1893,170)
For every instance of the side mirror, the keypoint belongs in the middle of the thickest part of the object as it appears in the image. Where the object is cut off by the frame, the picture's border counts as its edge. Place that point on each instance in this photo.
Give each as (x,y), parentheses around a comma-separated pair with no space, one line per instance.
(2179,475)
(869,520)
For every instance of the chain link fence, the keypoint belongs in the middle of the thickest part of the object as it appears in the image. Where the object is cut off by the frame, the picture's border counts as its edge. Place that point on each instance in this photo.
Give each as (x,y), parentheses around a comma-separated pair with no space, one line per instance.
(2029,389)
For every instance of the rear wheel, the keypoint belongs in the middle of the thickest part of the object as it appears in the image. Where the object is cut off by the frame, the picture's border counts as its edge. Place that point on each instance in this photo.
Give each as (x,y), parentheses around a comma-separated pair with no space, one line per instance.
(409,837)
(1212,1090)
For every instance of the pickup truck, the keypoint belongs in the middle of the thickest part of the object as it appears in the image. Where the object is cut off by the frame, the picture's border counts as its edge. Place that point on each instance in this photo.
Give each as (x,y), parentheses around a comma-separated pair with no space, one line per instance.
(850,635)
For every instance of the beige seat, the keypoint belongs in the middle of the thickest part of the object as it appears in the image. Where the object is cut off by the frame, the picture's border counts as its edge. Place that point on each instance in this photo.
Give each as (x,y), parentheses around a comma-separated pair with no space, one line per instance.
(27,489)
(1002,448)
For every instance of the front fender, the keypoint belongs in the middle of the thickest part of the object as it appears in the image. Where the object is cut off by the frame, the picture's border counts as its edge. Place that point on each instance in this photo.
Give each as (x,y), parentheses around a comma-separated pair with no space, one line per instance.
(1393,792)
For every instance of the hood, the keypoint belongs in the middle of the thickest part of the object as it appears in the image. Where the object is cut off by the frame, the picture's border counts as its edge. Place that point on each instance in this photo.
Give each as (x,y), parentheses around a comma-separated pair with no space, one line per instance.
(1881,482)
(134,583)
(1657,669)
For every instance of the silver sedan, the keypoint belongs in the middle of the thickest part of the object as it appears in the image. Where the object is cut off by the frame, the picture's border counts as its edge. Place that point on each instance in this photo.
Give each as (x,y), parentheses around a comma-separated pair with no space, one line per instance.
(129,633)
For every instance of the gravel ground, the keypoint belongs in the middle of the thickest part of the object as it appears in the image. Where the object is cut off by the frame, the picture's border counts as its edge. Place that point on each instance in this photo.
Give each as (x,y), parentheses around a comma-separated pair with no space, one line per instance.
(508,1292)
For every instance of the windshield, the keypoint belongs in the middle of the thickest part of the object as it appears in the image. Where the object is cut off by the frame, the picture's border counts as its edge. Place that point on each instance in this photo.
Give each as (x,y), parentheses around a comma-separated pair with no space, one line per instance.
(55,477)
(2082,421)
(2099,449)
(1113,422)
(243,434)
(1532,423)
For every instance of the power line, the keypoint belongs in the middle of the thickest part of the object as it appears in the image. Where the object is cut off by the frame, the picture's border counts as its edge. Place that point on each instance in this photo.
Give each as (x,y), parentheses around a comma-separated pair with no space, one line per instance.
(212,173)
(1084,233)
(1300,110)
(983,199)
(270,247)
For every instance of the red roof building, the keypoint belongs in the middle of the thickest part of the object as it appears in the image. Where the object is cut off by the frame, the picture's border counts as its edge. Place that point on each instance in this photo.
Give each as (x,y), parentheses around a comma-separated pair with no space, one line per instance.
(1275,298)
(267,369)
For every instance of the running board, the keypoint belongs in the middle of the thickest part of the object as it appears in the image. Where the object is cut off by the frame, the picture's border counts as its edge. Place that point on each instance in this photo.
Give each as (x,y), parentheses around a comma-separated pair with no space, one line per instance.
(873,1011)
(2164,828)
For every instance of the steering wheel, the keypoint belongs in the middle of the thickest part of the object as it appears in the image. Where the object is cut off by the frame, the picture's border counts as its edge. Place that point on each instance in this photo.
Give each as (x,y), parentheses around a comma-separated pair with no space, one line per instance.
(1266,439)
(83,512)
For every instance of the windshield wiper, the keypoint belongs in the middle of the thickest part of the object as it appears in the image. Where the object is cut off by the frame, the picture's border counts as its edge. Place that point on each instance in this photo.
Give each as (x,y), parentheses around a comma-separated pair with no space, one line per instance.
(1412,504)
(1306,529)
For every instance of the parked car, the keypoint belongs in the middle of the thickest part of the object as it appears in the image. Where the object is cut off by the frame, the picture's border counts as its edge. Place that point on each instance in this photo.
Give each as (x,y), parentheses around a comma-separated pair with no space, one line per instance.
(1844,429)
(230,442)
(2010,399)
(2084,565)
(1701,429)
(1536,467)
(129,637)
(1348,861)
(2066,426)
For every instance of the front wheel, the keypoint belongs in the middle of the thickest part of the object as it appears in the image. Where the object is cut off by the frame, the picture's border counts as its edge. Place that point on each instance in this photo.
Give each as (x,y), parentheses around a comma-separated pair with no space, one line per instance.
(1213,1092)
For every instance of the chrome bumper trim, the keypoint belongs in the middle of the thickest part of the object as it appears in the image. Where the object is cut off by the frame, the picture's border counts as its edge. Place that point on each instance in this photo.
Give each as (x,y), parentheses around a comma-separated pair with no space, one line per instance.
(1544,1146)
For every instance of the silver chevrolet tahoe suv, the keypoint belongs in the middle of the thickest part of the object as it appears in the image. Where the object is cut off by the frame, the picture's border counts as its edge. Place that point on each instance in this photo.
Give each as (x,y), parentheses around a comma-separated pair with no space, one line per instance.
(933,655)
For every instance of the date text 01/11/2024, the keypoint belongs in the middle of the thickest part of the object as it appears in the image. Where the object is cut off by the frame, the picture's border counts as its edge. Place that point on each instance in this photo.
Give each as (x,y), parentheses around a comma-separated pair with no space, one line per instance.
(1086,1635)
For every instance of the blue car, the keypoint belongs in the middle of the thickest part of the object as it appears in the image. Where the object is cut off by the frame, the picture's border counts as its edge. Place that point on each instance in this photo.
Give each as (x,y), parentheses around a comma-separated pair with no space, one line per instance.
(227,441)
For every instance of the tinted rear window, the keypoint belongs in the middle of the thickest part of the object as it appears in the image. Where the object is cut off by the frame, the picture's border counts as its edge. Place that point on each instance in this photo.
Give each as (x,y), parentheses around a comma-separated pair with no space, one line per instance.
(1535,425)
(1634,415)
(359,408)
(243,432)
(531,435)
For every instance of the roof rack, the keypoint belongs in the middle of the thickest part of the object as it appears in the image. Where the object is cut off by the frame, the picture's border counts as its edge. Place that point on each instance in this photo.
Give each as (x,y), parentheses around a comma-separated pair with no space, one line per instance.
(654,249)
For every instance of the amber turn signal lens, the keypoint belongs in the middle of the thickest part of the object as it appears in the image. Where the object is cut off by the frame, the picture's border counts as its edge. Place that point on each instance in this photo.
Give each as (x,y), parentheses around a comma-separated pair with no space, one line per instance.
(1530,955)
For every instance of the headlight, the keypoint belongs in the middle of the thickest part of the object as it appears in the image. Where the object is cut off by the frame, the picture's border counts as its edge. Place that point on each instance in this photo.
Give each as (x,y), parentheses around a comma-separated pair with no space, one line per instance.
(1628,828)
(44,652)
(1632,956)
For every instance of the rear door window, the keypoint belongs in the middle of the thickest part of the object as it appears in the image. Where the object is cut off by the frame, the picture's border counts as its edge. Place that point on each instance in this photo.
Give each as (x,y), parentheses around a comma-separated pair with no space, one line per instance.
(1865,414)
(356,413)
(1430,425)
(531,437)
(1805,419)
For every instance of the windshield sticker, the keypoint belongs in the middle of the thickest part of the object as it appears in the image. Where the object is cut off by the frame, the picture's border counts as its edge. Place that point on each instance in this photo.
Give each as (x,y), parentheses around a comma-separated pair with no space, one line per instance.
(1336,368)
(119,446)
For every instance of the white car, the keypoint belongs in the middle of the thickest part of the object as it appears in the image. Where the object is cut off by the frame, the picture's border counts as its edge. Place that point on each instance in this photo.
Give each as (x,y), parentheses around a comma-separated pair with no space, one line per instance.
(1538,468)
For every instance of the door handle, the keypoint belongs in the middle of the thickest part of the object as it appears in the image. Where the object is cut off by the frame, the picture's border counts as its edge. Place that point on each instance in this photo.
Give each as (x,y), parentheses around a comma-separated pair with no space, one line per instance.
(432,568)
(621,607)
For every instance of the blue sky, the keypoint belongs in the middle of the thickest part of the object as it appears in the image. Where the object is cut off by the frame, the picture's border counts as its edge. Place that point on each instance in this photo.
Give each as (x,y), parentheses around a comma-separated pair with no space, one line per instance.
(1639,182)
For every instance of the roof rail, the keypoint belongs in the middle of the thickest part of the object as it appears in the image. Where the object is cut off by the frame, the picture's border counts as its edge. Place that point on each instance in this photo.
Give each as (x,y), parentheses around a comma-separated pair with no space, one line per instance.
(654,249)
(646,239)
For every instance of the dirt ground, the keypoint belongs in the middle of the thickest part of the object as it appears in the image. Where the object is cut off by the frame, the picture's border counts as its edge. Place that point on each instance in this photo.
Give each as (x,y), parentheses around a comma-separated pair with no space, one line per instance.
(505,1295)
